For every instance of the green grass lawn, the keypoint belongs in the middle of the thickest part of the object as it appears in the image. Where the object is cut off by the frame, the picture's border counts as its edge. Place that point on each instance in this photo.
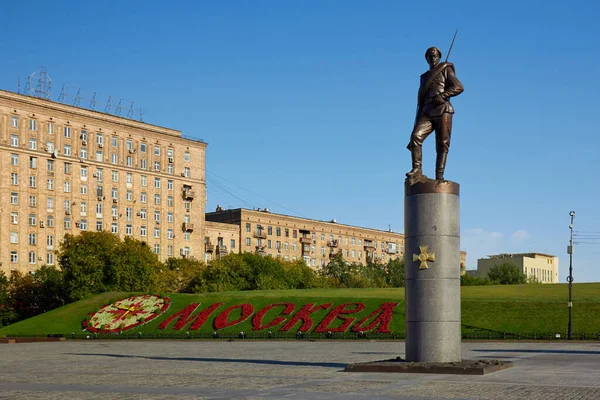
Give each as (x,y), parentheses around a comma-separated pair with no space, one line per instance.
(526,309)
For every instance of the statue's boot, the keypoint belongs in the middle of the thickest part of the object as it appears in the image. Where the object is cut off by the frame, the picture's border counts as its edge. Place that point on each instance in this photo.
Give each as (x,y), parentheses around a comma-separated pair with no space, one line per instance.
(440,165)
(417,157)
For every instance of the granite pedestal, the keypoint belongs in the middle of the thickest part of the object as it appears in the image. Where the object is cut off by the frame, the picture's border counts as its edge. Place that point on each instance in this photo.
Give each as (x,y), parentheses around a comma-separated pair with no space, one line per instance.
(432,271)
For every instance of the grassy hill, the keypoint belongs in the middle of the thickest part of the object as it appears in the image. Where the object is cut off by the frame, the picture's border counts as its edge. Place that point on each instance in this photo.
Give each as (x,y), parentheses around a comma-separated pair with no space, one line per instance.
(486,310)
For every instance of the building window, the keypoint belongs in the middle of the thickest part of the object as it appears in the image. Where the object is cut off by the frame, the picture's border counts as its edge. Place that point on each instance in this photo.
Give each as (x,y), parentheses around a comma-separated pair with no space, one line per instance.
(32,257)
(50,221)
(99,226)
(170,250)
(157,199)
(67,187)
(14,121)
(232,244)
(143,163)
(157,232)
(248,227)
(32,201)
(170,169)
(157,165)
(14,140)
(50,240)
(129,161)
(49,147)
(143,213)
(14,258)
(186,156)
(14,198)
(14,237)
(50,203)
(114,228)
(115,176)
(67,223)
(156,151)
(186,236)
(278,231)
(50,128)
(144,180)
(156,248)
(128,230)
(157,183)
(83,153)
(170,184)
(114,143)
(67,168)
(129,195)
(67,131)
(169,233)
(14,178)
(32,219)
(248,241)
(33,125)
(83,225)
(50,258)
(143,147)
(99,155)
(186,172)
(83,208)
(67,150)
(170,201)
(83,136)
(170,217)
(14,160)
(83,172)
(157,216)
(142,230)
(129,145)
(100,139)
(32,144)
(14,218)
(114,158)
(33,181)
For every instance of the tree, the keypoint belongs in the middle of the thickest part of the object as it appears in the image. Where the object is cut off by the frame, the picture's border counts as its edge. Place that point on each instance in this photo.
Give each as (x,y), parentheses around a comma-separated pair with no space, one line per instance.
(7,311)
(96,262)
(180,275)
(395,272)
(506,274)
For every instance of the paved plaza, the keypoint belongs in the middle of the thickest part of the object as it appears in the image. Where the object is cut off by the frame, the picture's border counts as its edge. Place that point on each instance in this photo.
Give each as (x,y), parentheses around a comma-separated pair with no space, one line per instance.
(244,369)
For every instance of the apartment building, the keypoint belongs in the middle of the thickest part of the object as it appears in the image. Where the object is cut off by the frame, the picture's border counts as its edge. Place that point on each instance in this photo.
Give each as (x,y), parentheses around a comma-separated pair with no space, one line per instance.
(66,169)
(543,267)
(294,238)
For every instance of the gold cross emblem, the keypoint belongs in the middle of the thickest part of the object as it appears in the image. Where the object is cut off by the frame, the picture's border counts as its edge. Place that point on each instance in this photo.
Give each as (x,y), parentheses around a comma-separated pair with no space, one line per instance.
(423,257)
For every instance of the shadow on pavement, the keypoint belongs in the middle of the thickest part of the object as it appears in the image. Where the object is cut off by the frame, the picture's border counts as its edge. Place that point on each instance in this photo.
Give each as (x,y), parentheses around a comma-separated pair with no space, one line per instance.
(536,351)
(221,360)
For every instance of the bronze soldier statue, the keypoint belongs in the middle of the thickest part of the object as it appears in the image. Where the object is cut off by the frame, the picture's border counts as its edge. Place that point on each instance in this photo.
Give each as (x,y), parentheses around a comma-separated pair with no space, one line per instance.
(434,112)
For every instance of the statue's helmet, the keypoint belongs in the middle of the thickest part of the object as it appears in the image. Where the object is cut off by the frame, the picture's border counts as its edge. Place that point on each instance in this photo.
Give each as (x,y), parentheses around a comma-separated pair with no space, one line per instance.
(431,50)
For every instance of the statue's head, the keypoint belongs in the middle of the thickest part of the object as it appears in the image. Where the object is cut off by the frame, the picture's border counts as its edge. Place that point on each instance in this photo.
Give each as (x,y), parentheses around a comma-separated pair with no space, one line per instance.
(433,56)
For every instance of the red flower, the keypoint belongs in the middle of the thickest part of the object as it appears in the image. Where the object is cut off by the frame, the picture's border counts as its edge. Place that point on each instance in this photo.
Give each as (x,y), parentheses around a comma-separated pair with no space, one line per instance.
(383,319)
(336,313)
(304,315)
(257,324)
(221,320)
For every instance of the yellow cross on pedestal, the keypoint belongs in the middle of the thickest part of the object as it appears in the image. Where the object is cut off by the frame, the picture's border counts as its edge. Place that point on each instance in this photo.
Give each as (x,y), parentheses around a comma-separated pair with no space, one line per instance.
(423,257)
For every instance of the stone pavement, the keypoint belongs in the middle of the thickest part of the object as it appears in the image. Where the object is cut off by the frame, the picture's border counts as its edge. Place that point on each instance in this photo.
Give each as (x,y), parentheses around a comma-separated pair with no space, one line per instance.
(245,369)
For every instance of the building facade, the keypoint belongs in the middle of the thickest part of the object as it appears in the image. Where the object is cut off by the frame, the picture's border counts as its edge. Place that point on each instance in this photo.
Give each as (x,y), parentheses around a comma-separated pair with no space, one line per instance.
(293,238)
(66,169)
(542,267)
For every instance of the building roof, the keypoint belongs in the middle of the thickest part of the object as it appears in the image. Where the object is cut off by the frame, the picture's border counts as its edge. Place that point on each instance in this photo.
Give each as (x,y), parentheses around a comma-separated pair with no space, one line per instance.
(88,113)
(507,255)
(331,222)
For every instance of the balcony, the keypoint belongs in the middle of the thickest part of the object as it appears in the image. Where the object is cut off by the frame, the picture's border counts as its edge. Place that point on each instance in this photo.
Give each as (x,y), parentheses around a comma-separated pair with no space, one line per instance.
(188,227)
(209,247)
(188,194)
(335,253)
(333,243)
(369,247)
(391,251)
(260,234)
(221,249)
(305,240)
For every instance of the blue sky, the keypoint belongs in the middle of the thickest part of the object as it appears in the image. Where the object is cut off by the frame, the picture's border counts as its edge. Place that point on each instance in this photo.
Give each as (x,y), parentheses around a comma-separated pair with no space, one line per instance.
(307,106)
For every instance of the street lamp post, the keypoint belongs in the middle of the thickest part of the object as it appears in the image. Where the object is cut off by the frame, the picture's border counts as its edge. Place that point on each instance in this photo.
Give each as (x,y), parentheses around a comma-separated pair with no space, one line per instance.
(570,278)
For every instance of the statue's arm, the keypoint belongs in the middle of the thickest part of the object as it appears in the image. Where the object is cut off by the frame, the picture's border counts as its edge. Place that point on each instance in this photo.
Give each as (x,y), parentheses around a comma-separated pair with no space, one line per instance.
(453,85)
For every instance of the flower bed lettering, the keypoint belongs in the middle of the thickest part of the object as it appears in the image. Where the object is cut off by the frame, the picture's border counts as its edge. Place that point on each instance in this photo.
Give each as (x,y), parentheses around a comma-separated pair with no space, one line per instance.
(339,318)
